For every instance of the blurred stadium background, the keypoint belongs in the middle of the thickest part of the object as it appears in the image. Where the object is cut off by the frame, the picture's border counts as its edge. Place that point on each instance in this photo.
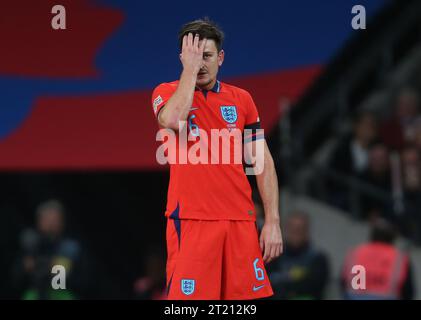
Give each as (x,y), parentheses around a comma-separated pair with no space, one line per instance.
(341,110)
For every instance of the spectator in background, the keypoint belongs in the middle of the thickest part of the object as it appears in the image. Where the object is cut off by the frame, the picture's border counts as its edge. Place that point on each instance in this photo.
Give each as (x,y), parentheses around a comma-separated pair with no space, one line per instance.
(400,127)
(388,271)
(378,175)
(417,135)
(411,169)
(411,172)
(40,250)
(351,155)
(302,271)
(151,286)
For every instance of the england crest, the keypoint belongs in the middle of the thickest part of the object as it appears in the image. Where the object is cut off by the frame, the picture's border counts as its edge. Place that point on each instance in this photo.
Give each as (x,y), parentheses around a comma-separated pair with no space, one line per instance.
(187,286)
(229,113)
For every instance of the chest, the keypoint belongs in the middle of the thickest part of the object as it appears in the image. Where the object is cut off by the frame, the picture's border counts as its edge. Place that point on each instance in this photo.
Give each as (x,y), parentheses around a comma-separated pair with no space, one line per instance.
(216,111)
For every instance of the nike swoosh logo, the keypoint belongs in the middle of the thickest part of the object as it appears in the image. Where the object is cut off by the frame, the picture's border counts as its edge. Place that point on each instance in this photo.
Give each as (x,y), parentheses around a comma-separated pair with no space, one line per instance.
(258,288)
(191,109)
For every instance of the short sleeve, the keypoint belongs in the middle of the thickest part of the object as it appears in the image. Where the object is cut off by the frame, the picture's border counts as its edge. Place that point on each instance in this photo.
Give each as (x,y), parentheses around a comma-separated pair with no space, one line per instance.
(252,128)
(252,116)
(160,96)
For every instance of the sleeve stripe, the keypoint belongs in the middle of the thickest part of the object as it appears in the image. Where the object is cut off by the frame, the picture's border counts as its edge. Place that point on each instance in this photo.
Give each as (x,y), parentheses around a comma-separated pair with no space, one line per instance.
(253,126)
(250,135)
(252,132)
(254,138)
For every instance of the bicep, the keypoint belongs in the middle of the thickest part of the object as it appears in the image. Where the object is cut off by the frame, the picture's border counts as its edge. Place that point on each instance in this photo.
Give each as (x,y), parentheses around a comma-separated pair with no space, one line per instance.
(160,97)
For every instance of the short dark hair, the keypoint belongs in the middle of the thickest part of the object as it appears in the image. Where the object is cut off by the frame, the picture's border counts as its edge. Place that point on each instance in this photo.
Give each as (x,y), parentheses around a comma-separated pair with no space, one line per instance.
(382,231)
(205,28)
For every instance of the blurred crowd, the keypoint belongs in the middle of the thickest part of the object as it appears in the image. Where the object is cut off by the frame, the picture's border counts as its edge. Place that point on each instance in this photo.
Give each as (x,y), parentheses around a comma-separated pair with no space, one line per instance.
(302,272)
(383,151)
(49,244)
(42,247)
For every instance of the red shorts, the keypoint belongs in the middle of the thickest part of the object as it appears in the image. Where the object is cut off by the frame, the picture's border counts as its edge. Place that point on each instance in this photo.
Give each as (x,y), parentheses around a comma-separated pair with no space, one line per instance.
(212,260)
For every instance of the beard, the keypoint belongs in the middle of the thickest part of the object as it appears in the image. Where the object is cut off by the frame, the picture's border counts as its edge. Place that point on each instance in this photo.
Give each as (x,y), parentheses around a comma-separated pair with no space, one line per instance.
(203,83)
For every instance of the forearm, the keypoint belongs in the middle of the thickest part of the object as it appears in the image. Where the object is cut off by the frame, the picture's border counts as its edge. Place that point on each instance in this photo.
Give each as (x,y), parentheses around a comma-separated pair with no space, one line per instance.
(267,183)
(178,106)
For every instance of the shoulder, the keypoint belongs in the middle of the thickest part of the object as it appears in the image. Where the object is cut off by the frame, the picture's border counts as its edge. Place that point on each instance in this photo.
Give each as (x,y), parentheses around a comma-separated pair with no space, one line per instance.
(235,90)
(167,86)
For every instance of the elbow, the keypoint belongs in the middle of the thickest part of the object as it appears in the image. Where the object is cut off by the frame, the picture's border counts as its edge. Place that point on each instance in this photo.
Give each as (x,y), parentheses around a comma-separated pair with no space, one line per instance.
(168,123)
(171,120)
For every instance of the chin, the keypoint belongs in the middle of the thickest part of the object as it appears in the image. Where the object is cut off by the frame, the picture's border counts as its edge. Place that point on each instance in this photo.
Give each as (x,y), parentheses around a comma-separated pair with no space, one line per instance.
(203,82)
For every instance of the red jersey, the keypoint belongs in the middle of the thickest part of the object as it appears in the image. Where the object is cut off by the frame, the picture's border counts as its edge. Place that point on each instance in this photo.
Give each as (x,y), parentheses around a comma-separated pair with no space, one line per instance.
(211,191)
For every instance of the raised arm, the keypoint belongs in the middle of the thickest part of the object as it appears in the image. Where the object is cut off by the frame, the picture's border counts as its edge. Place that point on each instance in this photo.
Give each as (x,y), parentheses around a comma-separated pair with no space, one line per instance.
(178,106)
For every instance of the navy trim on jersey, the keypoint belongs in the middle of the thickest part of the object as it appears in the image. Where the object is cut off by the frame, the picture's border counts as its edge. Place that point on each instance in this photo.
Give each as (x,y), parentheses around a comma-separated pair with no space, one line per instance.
(169,285)
(175,215)
(216,88)
(253,126)
(255,135)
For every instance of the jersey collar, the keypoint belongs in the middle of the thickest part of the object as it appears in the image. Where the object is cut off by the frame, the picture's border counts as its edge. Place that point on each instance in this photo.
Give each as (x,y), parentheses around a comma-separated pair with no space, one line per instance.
(216,88)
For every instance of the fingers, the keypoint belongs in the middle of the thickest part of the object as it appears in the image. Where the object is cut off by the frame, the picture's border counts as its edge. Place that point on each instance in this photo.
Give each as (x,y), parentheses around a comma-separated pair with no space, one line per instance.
(193,41)
(271,251)
(192,52)
(278,251)
(190,39)
(262,243)
(202,45)
(184,42)
(265,249)
(196,41)
(271,242)
(265,255)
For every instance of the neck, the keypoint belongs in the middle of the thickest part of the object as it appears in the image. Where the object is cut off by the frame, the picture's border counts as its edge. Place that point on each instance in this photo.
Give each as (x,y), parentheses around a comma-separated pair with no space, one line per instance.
(208,86)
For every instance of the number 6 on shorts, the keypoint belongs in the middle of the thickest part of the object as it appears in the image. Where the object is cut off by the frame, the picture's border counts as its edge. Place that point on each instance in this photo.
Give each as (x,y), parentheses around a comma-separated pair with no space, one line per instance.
(258,271)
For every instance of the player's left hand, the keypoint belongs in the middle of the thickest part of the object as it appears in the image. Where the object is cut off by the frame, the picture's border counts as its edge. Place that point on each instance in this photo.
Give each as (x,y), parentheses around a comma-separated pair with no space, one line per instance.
(271,241)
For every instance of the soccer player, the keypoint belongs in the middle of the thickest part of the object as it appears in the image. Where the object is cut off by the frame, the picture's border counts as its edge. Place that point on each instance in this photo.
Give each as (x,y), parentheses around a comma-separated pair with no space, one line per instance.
(214,251)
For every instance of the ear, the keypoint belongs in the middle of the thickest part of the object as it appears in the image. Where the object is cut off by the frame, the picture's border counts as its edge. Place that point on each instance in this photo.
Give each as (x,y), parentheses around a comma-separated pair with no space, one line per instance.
(221,56)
